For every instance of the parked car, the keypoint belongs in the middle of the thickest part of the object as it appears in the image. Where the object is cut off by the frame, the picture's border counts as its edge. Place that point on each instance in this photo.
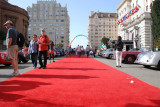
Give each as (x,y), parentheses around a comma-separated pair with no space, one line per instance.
(23,56)
(129,57)
(108,53)
(148,59)
(57,53)
(3,58)
(100,53)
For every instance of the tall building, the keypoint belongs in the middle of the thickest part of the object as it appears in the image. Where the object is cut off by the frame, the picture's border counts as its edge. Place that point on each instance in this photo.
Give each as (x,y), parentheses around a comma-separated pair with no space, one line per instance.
(135,22)
(102,25)
(51,16)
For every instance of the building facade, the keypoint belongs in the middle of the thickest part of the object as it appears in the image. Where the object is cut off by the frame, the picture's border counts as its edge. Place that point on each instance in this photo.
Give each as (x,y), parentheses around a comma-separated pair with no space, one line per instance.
(51,16)
(134,19)
(102,25)
(17,15)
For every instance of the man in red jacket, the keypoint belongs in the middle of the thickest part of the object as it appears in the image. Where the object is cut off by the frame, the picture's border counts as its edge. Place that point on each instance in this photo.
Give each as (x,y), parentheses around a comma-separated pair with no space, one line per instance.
(43,42)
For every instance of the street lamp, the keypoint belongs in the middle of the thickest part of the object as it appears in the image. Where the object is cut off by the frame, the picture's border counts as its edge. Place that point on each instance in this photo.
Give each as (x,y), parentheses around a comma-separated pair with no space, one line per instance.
(136,37)
(136,40)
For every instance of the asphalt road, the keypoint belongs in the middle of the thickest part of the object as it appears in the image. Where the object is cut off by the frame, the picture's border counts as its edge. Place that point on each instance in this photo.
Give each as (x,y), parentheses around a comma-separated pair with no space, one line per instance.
(148,75)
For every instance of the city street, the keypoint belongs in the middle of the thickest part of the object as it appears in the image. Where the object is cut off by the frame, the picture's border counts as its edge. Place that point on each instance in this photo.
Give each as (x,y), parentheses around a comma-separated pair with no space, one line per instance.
(149,75)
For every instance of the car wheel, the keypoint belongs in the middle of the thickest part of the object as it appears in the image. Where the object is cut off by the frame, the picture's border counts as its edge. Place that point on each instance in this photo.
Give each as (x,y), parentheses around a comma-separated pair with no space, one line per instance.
(129,59)
(158,66)
(19,59)
(147,66)
(110,56)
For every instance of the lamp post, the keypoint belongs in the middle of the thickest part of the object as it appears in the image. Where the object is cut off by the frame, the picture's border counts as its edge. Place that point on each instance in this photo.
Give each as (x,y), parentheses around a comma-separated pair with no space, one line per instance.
(136,37)
(136,40)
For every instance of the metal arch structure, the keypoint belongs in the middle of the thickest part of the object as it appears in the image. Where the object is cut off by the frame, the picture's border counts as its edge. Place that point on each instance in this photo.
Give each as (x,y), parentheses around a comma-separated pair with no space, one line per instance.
(82,36)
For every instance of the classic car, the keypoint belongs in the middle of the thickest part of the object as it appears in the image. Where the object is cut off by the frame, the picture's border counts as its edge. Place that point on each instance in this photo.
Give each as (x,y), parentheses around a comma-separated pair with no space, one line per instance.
(148,59)
(129,57)
(3,58)
(23,56)
(108,53)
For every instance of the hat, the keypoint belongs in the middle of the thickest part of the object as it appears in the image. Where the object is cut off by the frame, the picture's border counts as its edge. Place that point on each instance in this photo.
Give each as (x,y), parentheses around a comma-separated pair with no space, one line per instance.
(43,30)
(8,22)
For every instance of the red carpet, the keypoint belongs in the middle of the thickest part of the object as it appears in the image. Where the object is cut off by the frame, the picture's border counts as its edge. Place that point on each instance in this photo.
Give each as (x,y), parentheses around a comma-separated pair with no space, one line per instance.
(77,82)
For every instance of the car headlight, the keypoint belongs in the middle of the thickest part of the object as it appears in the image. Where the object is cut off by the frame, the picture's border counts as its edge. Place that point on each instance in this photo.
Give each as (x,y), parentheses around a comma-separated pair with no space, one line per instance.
(151,56)
(2,56)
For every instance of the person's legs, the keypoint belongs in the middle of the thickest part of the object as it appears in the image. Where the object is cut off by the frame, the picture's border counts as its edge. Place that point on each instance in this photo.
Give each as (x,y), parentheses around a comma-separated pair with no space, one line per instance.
(117,64)
(32,58)
(40,59)
(13,54)
(120,58)
(45,58)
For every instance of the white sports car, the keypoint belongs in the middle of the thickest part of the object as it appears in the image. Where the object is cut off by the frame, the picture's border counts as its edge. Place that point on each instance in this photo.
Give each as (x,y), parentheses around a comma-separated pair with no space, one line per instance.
(148,59)
(108,53)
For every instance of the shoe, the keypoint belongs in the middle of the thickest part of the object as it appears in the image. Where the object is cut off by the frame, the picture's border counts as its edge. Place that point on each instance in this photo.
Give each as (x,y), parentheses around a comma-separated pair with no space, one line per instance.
(40,67)
(53,61)
(15,73)
(44,67)
(119,66)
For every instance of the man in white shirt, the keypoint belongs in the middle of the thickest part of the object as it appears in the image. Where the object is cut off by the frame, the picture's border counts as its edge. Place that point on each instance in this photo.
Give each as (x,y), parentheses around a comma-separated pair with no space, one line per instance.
(87,50)
(78,51)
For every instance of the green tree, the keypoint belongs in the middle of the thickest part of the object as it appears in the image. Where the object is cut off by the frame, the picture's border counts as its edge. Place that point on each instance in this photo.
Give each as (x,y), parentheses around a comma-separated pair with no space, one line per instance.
(156,22)
(60,45)
(105,41)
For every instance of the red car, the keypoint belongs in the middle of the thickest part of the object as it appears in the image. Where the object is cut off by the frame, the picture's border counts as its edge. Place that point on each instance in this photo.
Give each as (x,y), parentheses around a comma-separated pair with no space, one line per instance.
(129,57)
(23,56)
(3,59)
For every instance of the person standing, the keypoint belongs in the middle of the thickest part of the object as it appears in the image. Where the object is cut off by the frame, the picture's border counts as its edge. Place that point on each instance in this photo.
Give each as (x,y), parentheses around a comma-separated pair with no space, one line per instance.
(12,47)
(95,51)
(51,55)
(78,49)
(43,42)
(119,48)
(33,50)
(87,50)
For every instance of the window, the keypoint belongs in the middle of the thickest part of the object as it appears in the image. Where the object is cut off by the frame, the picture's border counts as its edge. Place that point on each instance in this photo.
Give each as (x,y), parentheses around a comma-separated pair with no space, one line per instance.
(62,20)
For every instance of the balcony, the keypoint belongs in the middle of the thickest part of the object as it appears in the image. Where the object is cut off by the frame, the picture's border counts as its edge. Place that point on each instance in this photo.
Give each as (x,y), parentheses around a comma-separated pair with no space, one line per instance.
(129,23)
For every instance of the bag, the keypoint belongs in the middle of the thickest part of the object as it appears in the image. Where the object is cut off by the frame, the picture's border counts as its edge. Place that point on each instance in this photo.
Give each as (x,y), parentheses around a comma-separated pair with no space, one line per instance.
(20,40)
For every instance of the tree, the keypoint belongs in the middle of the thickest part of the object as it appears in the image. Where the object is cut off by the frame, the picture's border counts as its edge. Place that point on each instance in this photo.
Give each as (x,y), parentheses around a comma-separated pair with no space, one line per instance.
(156,22)
(60,45)
(105,41)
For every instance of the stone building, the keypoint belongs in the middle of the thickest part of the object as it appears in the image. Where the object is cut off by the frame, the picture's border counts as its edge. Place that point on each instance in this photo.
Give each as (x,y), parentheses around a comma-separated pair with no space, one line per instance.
(16,14)
(51,16)
(102,25)
(134,19)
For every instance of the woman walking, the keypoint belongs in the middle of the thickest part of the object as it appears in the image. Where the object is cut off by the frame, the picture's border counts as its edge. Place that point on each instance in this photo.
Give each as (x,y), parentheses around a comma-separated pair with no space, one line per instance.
(33,50)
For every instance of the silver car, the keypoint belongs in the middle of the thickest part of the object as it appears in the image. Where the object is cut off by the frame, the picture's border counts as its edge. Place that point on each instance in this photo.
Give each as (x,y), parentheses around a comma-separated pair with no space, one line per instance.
(108,53)
(148,59)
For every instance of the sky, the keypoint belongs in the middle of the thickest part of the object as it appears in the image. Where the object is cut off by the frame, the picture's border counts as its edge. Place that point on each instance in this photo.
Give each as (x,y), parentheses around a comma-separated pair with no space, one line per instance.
(79,12)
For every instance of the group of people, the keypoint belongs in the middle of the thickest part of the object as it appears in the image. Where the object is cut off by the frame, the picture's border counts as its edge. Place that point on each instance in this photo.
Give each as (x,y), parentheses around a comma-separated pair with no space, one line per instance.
(80,51)
(40,47)
(37,47)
